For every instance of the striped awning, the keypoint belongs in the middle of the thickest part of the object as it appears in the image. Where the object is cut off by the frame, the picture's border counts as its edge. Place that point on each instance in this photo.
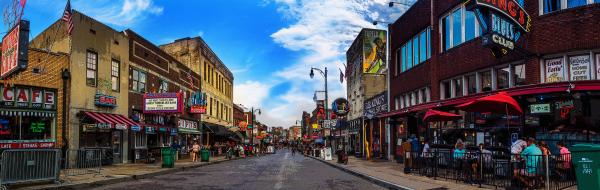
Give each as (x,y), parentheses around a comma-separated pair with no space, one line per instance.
(113,119)
(11,113)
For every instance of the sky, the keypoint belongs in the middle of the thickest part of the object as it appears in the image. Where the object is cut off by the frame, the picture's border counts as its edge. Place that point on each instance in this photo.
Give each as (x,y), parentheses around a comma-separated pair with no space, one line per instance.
(269,45)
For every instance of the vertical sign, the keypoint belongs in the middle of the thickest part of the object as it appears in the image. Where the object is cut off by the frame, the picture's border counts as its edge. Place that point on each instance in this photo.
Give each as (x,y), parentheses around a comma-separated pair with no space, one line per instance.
(580,67)
(555,71)
(598,66)
(14,49)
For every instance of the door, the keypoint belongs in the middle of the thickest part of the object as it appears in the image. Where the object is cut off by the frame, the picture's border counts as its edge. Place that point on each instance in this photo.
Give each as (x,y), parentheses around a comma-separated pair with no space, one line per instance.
(117,146)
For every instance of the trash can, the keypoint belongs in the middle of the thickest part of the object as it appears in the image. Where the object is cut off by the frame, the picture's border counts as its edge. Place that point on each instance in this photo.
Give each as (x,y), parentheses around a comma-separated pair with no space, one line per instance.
(168,157)
(204,155)
(586,159)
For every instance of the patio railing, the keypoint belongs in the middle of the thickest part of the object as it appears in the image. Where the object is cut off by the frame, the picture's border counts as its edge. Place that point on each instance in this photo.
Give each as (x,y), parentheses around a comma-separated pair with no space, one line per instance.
(483,169)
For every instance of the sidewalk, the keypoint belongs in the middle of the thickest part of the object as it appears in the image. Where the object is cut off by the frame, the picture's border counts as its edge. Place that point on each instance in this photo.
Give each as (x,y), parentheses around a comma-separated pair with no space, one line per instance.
(391,175)
(121,173)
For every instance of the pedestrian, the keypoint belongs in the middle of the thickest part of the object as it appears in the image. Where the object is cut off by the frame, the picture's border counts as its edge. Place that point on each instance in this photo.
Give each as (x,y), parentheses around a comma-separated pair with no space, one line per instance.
(531,156)
(293,151)
(195,151)
(564,159)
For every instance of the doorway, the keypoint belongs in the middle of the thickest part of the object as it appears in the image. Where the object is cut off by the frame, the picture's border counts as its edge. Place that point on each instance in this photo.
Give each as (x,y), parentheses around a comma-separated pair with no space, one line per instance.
(117,146)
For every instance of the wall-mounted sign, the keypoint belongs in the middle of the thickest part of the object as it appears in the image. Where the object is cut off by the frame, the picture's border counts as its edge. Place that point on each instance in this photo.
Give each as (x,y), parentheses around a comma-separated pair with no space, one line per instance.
(105,100)
(555,70)
(502,21)
(22,145)
(197,103)
(198,109)
(187,125)
(173,132)
(163,103)
(136,128)
(121,126)
(375,105)
(580,67)
(340,107)
(14,50)
(539,108)
(27,97)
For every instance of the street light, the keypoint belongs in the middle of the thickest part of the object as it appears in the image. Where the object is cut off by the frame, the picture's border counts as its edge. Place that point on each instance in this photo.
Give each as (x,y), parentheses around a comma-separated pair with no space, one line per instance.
(253,124)
(324,74)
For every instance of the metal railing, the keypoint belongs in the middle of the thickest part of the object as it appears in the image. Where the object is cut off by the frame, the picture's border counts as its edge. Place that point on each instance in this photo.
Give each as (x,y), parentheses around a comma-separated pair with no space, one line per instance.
(83,161)
(486,169)
(29,165)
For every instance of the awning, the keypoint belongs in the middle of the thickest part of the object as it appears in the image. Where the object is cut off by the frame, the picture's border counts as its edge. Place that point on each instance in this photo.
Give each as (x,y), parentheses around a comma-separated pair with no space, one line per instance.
(497,103)
(218,130)
(115,120)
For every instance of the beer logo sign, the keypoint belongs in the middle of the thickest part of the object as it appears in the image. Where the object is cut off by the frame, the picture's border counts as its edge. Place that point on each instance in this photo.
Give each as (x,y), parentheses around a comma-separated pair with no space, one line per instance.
(340,107)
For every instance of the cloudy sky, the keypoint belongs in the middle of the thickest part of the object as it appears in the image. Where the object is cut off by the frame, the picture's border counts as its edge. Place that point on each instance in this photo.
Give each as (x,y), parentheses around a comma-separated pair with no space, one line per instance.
(269,45)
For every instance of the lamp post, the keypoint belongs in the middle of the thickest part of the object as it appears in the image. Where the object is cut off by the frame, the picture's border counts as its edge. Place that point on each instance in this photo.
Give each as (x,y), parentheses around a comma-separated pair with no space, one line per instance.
(324,74)
(253,124)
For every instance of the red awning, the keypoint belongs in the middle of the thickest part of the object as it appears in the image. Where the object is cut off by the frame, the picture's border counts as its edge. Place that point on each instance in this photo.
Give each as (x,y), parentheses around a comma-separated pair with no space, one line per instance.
(497,103)
(434,115)
(112,119)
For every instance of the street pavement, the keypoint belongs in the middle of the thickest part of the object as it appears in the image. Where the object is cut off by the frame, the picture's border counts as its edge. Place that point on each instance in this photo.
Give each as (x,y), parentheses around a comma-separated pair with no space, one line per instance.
(276,171)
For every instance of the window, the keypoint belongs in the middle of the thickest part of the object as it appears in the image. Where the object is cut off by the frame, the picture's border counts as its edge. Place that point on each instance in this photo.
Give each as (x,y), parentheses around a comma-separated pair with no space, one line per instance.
(458,87)
(114,75)
(486,81)
(423,47)
(404,66)
(502,75)
(519,75)
(459,26)
(576,3)
(551,5)
(164,86)
(22,128)
(140,140)
(446,90)
(398,62)
(139,81)
(406,100)
(428,42)
(415,56)
(471,84)
(91,68)
(424,95)
(409,54)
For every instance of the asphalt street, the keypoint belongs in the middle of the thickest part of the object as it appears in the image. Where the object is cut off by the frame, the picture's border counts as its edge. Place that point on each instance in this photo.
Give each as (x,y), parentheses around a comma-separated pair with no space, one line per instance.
(276,171)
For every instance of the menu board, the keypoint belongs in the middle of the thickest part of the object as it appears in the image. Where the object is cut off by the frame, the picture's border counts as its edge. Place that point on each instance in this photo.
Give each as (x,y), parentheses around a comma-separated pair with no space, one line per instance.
(555,70)
(580,67)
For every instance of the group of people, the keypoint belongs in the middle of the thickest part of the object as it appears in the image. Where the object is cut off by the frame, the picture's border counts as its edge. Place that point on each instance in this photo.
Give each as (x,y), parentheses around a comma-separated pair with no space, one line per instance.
(529,156)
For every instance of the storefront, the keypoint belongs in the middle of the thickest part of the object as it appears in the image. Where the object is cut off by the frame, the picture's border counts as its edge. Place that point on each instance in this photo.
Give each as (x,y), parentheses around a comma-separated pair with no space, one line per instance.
(375,126)
(27,117)
(188,133)
(104,131)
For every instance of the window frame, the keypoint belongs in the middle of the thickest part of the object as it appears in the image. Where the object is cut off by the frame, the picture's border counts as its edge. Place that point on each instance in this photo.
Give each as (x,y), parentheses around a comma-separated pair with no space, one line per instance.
(564,4)
(117,76)
(94,69)
(450,16)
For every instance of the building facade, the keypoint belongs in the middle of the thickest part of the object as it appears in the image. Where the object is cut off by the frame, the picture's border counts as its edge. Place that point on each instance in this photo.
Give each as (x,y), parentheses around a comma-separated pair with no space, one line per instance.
(152,71)
(98,61)
(439,61)
(33,100)
(217,79)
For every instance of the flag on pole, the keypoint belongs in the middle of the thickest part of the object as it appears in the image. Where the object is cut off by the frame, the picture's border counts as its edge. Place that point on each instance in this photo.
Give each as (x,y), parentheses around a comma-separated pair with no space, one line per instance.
(68,17)
(22,3)
(341,76)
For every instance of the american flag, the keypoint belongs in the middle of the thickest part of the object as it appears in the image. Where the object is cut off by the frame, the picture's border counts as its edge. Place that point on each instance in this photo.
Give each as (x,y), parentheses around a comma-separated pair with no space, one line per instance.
(189,77)
(68,17)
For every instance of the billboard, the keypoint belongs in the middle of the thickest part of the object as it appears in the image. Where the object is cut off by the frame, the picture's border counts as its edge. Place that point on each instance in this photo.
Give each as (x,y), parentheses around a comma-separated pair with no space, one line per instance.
(374,51)
(375,105)
(14,50)
(163,103)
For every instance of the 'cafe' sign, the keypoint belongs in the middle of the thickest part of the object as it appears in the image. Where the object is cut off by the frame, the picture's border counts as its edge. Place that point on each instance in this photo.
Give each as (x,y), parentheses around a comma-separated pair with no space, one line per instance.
(27,97)
(503,22)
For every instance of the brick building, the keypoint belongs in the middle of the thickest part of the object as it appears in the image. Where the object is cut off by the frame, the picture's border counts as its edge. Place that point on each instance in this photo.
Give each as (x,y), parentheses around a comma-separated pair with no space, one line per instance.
(438,61)
(151,70)
(42,114)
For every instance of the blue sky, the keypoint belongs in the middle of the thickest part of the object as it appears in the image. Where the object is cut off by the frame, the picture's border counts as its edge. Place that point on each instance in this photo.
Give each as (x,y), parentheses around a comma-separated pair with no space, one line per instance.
(269,45)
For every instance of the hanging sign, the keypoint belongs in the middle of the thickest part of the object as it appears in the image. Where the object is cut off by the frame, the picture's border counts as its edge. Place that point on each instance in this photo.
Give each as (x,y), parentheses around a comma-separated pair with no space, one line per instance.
(555,71)
(502,21)
(105,100)
(163,103)
(340,107)
(197,103)
(14,50)
(580,67)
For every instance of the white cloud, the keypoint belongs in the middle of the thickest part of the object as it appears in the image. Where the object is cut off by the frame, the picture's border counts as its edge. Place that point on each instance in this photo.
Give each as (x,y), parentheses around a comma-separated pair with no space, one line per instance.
(251,93)
(119,12)
(322,30)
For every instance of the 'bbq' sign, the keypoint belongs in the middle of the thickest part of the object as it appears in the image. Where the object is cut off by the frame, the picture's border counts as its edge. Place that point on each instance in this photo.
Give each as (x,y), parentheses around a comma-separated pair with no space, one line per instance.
(14,50)
(502,21)
(105,101)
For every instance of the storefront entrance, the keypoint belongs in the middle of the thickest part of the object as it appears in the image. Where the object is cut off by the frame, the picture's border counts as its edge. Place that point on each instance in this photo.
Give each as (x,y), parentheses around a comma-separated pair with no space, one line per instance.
(117,146)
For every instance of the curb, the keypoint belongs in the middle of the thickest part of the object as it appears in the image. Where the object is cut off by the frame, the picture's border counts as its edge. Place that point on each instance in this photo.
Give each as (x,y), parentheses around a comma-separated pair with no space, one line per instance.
(131,178)
(380,182)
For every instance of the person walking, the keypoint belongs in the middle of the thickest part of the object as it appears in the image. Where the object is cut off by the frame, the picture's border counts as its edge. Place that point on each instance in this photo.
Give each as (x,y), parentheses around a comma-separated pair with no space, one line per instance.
(195,151)
(293,151)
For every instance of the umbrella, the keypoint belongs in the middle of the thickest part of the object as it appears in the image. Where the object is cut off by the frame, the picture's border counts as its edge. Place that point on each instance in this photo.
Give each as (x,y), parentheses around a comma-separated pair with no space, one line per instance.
(499,103)
(434,115)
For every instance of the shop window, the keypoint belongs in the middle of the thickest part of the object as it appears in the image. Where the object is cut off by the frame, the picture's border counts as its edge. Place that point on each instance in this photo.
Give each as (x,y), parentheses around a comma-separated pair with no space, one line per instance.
(423,93)
(458,87)
(115,74)
(25,128)
(91,68)
(551,5)
(406,101)
(486,81)
(471,84)
(446,90)
(164,86)
(502,75)
(139,81)
(519,74)
(140,140)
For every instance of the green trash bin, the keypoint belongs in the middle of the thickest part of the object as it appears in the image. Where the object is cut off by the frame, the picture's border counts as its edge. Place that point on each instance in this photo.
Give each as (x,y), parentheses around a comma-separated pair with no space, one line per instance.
(586,159)
(204,155)
(168,157)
